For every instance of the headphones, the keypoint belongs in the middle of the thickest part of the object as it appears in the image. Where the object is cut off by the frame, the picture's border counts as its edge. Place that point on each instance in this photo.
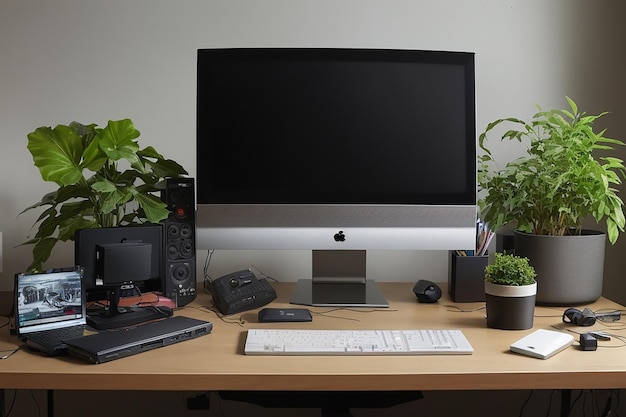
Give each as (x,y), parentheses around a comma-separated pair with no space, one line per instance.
(579,318)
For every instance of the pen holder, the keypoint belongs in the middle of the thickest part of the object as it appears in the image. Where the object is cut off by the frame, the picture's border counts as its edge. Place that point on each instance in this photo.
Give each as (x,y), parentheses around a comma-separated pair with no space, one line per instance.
(466,277)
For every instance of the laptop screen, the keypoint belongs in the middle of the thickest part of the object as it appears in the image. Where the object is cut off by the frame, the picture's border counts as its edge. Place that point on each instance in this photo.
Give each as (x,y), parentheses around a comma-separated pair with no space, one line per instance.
(48,300)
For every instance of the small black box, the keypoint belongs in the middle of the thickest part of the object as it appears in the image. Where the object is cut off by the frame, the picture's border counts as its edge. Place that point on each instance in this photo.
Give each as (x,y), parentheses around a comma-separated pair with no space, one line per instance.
(466,278)
(123,262)
(588,342)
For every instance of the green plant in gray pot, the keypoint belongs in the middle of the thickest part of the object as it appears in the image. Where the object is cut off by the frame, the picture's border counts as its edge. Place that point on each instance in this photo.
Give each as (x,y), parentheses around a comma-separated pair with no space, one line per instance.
(568,175)
(510,292)
(104,180)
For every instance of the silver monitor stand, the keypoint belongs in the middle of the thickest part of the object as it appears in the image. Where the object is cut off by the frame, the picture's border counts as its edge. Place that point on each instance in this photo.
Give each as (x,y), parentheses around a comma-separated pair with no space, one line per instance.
(339,281)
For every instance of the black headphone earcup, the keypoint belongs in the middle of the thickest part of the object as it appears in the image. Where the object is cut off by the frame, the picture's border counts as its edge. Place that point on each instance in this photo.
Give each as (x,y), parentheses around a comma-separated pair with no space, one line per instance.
(579,318)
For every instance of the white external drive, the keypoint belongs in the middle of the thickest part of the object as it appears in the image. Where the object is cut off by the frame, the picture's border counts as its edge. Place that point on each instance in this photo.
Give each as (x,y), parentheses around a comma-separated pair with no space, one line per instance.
(542,343)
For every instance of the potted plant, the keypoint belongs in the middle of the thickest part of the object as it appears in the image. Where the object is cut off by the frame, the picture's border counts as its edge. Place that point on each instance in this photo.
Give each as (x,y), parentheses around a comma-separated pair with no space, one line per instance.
(510,292)
(104,179)
(548,194)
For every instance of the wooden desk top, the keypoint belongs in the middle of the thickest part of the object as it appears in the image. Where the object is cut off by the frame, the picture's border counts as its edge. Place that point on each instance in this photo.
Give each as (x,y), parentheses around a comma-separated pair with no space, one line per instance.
(217,362)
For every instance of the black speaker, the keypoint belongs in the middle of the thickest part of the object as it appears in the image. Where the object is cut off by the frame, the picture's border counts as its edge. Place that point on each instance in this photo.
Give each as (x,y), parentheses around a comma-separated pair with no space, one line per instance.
(179,282)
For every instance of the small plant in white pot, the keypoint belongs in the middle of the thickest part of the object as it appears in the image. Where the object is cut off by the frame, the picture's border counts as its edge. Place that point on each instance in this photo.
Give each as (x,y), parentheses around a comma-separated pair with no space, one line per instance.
(510,292)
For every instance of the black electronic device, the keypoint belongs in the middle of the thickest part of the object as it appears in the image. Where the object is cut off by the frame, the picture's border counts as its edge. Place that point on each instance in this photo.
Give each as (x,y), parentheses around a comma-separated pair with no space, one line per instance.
(270,315)
(588,342)
(241,291)
(108,346)
(119,262)
(179,281)
(427,291)
(579,318)
(126,261)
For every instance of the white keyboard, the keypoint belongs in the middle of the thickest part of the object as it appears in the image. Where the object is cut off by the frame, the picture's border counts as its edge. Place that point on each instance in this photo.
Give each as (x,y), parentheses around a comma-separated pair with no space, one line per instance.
(356,342)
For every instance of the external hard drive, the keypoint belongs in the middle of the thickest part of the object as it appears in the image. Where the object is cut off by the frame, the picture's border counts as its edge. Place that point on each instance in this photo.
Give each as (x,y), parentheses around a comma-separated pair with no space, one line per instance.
(542,343)
(268,315)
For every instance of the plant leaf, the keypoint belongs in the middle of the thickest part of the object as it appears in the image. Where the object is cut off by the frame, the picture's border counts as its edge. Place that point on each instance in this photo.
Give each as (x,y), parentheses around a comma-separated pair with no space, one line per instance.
(154,208)
(117,141)
(57,153)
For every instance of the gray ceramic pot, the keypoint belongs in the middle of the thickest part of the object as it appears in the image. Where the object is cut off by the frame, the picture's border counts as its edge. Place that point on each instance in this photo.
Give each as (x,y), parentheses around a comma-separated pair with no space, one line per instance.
(569,268)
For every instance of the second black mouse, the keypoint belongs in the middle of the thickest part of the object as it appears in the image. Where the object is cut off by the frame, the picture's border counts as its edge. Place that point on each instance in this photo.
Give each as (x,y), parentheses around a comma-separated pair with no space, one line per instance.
(427,291)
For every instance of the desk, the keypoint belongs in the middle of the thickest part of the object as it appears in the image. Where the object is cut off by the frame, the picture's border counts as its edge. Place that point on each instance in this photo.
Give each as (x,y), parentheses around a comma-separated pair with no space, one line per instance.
(216,362)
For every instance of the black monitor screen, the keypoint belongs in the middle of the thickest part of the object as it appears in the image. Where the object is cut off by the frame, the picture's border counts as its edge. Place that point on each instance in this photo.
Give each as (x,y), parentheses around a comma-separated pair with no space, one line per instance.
(120,255)
(335,126)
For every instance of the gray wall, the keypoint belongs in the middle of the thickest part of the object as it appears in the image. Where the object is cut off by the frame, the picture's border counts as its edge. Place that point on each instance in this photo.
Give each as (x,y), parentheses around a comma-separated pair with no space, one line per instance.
(93,61)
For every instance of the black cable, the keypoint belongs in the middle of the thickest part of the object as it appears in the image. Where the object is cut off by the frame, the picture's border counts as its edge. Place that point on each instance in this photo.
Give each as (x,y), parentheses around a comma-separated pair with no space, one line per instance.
(550,403)
(12,403)
(578,397)
(525,403)
(607,407)
(5,324)
(32,395)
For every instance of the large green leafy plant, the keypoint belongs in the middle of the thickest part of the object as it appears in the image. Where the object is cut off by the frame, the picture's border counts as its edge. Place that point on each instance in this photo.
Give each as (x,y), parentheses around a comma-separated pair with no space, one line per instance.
(560,182)
(104,179)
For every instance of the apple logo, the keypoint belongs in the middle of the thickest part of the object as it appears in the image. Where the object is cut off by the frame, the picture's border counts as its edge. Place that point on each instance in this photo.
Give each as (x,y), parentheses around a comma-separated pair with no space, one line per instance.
(340,237)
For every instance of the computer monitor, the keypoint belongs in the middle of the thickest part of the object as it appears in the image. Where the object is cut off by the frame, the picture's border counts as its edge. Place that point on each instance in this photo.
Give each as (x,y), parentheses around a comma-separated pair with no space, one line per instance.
(336,151)
(117,262)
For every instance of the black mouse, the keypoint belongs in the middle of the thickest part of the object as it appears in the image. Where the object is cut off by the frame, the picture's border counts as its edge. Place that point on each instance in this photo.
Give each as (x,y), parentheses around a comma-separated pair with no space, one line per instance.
(426,291)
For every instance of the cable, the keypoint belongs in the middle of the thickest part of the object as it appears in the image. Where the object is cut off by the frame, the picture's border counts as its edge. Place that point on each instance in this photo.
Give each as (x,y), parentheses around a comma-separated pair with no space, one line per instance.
(525,403)
(457,309)
(607,407)
(264,275)
(550,403)
(8,413)
(8,355)
(32,395)
(207,262)
(207,281)
(234,320)
(573,403)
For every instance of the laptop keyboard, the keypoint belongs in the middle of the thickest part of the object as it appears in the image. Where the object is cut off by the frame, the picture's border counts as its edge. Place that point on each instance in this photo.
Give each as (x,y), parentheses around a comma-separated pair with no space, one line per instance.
(51,337)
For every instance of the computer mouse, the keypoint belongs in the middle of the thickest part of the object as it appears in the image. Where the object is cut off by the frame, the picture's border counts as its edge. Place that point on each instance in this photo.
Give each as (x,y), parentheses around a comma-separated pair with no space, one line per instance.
(426,291)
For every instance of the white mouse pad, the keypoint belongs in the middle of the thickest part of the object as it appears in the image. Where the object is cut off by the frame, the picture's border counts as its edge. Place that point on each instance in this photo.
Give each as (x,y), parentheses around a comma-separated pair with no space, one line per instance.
(542,343)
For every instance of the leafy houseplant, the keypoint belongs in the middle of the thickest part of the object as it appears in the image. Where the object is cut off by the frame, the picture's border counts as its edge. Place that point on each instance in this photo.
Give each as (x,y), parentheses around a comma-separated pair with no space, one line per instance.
(560,182)
(104,179)
(510,292)
(567,176)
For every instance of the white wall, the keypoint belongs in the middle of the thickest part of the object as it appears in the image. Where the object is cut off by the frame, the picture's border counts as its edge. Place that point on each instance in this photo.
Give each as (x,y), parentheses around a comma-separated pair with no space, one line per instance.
(92,61)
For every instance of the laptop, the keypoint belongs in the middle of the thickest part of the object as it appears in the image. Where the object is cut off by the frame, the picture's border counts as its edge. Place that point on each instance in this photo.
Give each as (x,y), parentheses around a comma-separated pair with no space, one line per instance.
(115,344)
(49,308)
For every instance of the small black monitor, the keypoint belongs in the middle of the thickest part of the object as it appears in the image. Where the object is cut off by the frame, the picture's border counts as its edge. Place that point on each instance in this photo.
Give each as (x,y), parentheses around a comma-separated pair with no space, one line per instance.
(118,262)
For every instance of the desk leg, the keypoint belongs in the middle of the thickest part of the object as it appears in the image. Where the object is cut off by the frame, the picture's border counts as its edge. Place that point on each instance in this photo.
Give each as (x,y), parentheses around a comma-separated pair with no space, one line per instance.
(50,403)
(566,402)
(2,394)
